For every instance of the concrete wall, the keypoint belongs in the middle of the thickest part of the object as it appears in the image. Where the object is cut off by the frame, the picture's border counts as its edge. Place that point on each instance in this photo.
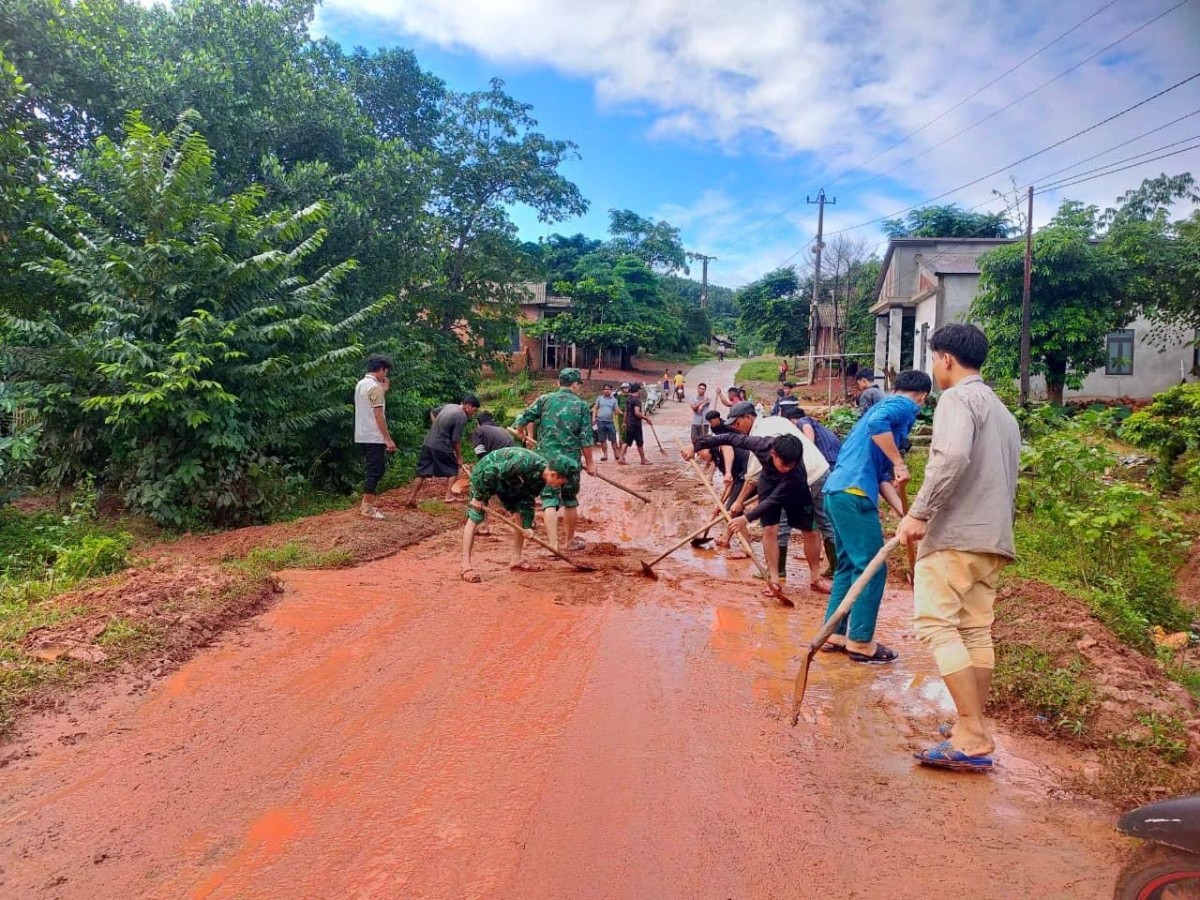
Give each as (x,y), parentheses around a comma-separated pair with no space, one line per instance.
(1154,369)
(958,292)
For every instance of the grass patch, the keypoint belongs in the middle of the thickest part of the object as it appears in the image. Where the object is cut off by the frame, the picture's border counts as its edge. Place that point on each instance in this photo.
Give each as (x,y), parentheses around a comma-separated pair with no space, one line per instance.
(764,368)
(292,555)
(1056,693)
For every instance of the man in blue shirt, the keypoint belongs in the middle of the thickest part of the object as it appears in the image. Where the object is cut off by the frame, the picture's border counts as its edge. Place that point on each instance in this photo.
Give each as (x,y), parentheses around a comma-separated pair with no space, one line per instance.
(867,466)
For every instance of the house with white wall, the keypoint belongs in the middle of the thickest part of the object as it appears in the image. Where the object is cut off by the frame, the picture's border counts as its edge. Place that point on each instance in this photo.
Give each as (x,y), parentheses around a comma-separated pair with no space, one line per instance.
(927,282)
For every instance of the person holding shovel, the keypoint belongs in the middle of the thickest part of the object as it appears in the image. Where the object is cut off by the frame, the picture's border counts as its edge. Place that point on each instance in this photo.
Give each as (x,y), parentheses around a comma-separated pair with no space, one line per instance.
(868,464)
(441,454)
(516,476)
(782,488)
(633,433)
(963,520)
(563,420)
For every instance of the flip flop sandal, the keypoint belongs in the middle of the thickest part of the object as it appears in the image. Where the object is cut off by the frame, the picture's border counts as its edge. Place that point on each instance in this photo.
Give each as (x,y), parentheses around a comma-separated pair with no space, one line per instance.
(527,567)
(737,554)
(833,648)
(577,544)
(470,576)
(820,586)
(944,756)
(882,654)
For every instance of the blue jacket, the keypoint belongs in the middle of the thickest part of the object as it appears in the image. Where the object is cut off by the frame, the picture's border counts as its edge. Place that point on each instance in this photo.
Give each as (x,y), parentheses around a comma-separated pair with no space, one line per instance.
(861,464)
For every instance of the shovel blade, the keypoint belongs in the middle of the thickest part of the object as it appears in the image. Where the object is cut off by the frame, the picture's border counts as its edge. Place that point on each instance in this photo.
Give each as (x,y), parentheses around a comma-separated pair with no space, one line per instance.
(801,686)
(649,572)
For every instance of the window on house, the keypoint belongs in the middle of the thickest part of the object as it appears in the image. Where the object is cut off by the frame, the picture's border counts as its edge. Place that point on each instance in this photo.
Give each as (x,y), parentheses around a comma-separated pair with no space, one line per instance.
(1119,356)
(515,340)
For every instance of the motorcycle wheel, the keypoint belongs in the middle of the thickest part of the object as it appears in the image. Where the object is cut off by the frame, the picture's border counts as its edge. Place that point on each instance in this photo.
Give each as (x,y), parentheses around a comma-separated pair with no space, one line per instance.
(1159,873)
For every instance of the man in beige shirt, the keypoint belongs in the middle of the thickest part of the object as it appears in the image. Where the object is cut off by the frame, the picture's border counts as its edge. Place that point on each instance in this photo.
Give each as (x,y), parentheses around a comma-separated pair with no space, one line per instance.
(963,519)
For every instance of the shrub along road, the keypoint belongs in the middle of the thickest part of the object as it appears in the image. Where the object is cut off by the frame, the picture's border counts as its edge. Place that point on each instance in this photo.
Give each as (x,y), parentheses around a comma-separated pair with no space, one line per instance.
(388,731)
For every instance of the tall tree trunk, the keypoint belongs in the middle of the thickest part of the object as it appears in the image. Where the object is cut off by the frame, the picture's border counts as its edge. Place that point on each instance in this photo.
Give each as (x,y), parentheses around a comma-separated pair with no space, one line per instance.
(1056,378)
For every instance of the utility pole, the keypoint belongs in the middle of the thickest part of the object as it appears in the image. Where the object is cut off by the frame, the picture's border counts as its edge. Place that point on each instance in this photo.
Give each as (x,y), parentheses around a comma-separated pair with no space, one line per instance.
(703,277)
(812,310)
(1026,313)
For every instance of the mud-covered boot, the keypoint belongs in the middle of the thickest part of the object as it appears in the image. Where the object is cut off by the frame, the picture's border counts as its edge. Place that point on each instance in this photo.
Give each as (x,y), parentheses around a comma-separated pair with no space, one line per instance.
(830,558)
(783,552)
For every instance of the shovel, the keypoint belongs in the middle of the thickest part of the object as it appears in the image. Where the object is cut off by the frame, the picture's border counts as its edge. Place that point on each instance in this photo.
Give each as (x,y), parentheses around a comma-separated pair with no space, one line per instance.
(832,622)
(725,514)
(537,540)
(532,445)
(912,551)
(648,567)
(654,432)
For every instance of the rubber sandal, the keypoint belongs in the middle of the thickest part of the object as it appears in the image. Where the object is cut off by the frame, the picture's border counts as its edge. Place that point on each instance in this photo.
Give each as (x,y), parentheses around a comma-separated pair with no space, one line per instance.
(945,730)
(527,567)
(944,756)
(577,544)
(737,554)
(882,654)
(470,576)
(833,648)
(821,586)
(371,513)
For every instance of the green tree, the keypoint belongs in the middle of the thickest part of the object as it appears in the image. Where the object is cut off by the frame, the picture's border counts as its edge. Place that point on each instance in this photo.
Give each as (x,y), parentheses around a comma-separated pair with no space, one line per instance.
(775,308)
(187,349)
(1079,296)
(656,243)
(948,221)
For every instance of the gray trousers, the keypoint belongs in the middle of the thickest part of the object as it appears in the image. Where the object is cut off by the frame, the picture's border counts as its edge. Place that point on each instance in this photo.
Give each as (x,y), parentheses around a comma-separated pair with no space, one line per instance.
(823,524)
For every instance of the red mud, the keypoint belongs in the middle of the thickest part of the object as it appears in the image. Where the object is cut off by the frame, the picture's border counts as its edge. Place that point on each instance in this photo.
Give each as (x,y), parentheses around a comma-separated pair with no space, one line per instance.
(388,731)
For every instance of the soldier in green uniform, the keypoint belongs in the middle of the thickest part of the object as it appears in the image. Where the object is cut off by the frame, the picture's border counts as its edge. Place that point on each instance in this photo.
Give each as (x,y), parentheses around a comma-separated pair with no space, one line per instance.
(563,421)
(516,476)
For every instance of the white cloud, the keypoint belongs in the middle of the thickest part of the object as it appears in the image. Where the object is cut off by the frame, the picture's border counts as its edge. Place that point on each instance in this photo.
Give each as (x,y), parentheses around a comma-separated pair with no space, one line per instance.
(835,82)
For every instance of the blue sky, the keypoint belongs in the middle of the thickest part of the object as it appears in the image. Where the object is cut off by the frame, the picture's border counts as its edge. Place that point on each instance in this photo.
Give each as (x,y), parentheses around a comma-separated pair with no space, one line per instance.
(722,117)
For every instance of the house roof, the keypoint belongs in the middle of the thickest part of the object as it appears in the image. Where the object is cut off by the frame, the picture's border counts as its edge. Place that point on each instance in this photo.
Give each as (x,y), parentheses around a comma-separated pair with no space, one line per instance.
(536,295)
(971,247)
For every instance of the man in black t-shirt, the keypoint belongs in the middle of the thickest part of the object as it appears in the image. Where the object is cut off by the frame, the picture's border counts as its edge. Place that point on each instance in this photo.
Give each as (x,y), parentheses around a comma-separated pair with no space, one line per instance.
(633,425)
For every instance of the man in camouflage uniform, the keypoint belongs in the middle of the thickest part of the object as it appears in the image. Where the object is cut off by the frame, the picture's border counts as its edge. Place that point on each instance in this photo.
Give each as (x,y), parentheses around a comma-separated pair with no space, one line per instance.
(563,421)
(516,476)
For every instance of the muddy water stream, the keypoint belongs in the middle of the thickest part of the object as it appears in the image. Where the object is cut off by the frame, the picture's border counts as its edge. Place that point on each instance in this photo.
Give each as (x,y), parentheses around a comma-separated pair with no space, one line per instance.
(390,732)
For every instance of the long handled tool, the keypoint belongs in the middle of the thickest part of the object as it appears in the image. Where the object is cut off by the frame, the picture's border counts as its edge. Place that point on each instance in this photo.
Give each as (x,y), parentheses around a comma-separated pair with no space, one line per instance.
(648,567)
(912,550)
(725,514)
(833,621)
(654,431)
(537,540)
(532,445)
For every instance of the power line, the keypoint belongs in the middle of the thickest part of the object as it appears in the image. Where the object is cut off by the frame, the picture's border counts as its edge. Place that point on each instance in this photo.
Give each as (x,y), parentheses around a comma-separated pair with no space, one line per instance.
(1023,159)
(946,112)
(972,96)
(1117,162)
(1061,185)
(1040,87)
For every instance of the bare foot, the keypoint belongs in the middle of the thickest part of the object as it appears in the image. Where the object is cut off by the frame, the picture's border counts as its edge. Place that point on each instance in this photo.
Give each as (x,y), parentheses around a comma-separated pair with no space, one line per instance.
(821,585)
(737,554)
(471,576)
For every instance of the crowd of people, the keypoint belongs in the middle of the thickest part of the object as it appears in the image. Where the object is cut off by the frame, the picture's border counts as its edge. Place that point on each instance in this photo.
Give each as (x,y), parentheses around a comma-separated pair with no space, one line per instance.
(786,471)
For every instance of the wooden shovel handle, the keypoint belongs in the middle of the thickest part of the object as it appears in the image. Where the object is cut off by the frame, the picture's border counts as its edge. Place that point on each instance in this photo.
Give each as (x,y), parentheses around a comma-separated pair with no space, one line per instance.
(725,514)
(912,550)
(532,444)
(860,584)
(699,531)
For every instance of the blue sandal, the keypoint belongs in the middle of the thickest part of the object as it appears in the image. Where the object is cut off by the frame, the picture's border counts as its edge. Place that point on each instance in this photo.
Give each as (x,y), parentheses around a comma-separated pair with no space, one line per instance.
(944,756)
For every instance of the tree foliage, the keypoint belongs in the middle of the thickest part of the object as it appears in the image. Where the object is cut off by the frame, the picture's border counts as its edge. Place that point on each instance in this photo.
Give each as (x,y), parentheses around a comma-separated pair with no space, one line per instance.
(950,220)
(186,347)
(775,308)
(1080,296)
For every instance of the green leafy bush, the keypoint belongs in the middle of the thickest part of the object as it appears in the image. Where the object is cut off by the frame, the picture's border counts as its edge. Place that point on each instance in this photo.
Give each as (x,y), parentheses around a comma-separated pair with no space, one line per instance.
(94,555)
(1170,429)
(188,348)
(1084,528)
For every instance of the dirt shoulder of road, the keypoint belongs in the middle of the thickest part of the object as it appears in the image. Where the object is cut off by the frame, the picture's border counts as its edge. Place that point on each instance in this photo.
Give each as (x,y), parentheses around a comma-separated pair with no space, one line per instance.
(181,596)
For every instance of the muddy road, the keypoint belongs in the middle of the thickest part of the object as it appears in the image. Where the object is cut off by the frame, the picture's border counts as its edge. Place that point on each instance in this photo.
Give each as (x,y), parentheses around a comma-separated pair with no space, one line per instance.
(387,731)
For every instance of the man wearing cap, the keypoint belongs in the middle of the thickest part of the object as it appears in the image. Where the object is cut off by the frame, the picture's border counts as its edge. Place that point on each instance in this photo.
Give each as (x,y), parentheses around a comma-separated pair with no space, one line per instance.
(868,393)
(516,476)
(563,421)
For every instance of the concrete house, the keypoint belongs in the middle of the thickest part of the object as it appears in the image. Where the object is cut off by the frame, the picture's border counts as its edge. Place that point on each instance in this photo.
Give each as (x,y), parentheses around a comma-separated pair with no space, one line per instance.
(927,282)
(547,353)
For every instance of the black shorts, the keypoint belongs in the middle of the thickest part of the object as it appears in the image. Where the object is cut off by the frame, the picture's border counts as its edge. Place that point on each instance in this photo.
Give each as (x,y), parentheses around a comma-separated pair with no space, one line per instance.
(436,463)
(634,436)
(375,457)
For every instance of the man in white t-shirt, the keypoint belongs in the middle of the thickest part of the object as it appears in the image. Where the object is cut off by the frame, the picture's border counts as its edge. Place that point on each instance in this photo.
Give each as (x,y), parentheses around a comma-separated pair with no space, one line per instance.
(370,429)
(816,468)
